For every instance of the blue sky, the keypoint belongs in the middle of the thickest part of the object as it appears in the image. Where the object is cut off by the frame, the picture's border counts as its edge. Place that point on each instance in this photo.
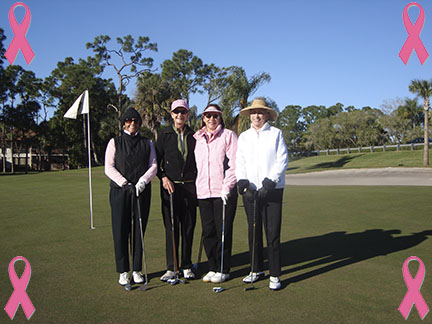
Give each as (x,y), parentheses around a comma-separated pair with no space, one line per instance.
(317,52)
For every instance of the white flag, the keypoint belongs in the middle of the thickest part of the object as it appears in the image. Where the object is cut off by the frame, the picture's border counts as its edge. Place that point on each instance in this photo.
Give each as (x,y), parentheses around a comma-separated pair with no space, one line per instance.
(80,106)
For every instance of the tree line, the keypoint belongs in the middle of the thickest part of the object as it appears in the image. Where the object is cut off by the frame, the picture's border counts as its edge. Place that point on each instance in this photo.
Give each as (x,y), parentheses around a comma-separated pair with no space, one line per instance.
(27,102)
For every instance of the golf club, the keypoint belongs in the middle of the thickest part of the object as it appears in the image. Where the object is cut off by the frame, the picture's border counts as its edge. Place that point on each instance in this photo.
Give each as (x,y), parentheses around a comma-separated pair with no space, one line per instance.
(176,279)
(195,266)
(128,286)
(253,246)
(220,289)
(144,286)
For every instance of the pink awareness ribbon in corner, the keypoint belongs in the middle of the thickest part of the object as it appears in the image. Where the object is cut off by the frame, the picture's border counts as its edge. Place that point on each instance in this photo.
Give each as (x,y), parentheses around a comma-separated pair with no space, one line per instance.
(19,41)
(413,41)
(19,295)
(413,295)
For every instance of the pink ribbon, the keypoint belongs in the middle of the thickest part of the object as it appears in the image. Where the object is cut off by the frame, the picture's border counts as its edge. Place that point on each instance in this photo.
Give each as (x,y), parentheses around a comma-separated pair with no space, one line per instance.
(19,41)
(19,295)
(413,295)
(413,41)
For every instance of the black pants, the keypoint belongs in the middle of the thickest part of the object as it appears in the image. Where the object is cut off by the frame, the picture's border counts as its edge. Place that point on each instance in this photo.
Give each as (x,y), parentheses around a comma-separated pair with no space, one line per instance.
(211,220)
(124,208)
(269,213)
(185,203)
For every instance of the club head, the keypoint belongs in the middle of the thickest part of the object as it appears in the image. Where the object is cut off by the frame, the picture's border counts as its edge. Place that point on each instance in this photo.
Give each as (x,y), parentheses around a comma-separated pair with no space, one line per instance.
(249,288)
(195,266)
(128,287)
(218,289)
(143,287)
(173,281)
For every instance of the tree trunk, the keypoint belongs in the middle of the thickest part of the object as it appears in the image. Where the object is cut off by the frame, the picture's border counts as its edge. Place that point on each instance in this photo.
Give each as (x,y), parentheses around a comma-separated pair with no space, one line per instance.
(12,158)
(26,159)
(95,158)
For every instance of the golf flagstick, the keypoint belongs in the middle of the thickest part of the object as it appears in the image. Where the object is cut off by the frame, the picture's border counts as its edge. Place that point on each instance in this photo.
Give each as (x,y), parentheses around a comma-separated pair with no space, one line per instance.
(220,289)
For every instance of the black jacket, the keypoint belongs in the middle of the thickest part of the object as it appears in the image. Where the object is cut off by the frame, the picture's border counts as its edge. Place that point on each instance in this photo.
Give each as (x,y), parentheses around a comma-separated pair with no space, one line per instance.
(170,159)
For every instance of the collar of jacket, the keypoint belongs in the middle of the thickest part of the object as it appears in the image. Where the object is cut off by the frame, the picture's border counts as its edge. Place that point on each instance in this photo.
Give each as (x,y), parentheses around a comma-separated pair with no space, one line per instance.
(170,129)
(203,134)
(265,127)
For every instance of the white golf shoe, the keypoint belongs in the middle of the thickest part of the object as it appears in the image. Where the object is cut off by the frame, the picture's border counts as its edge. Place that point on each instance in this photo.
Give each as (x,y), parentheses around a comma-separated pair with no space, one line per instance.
(274,283)
(208,277)
(124,279)
(137,277)
(253,276)
(168,275)
(220,277)
(188,274)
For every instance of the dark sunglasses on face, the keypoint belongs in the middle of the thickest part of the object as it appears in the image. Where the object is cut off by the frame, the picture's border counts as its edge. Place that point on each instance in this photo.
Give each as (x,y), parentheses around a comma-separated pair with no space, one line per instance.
(180,111)
(208,116)
(130,120)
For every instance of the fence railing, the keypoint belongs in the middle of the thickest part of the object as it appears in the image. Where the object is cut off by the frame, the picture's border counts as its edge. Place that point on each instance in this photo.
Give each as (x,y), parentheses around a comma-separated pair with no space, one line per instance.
(371,149)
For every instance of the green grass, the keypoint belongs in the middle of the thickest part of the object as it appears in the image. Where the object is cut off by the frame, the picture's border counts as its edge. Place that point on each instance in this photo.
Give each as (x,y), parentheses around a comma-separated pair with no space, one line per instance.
(357,160)
(342,255)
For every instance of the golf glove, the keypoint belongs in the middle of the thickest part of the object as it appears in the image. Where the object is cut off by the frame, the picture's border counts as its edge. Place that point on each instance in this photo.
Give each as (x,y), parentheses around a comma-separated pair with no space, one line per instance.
(264,190)
(250,195)
(139,187)
(224,197)
(242,186)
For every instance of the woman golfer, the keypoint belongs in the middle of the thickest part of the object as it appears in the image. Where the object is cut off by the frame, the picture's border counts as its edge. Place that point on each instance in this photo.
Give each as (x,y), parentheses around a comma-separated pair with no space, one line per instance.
(216,186)
(130,163)
(262,159)
(177,170)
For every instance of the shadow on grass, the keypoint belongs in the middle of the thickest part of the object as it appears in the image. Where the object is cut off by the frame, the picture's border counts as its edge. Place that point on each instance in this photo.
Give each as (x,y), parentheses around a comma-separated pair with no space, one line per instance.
(335,164)
(332,251)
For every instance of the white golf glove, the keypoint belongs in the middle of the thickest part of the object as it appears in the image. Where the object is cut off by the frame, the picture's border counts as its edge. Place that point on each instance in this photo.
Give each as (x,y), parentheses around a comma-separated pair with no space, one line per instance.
(224,197)
(140,186)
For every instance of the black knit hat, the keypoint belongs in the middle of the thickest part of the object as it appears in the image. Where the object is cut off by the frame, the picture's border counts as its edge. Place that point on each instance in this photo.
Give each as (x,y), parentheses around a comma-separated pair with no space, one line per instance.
(129,114)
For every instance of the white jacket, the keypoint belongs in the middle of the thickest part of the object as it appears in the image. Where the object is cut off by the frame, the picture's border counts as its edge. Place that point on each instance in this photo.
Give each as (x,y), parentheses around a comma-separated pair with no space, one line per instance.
(262,154)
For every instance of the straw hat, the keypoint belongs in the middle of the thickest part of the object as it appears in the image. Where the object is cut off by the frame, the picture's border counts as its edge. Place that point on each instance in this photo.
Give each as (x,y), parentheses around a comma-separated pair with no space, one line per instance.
(259,104)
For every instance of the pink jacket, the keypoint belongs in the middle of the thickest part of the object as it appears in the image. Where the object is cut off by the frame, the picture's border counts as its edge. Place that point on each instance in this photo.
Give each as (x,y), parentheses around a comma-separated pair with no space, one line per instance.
(210,153)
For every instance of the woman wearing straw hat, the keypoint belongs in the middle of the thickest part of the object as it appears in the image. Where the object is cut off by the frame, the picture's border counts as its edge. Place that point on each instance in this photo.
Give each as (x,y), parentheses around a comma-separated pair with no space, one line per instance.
(215,152)
(261,161)
(130,163)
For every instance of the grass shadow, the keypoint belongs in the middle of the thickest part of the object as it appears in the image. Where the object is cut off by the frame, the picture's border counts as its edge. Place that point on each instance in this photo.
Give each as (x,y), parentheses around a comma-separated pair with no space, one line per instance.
(332,251)
(334,164)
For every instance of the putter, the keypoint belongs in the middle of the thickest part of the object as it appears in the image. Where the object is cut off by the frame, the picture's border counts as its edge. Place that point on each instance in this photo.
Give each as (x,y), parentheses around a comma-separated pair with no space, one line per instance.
(176,279)
(195,266)
(144,286)
(252,287)
(220,289)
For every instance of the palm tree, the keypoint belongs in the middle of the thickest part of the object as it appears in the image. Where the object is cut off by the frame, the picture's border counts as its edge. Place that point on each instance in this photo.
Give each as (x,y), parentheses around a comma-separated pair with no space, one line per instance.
(423,88)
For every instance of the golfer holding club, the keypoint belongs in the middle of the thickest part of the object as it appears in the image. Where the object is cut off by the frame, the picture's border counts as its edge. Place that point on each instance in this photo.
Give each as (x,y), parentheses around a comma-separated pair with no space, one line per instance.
(177,171)
(261,161)
(215,152)
(130,163)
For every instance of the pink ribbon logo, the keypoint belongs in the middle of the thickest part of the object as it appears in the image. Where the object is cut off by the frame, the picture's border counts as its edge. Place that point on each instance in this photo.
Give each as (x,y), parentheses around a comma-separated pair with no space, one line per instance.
(19,295)
(413,295)
(413,41)
(19,41)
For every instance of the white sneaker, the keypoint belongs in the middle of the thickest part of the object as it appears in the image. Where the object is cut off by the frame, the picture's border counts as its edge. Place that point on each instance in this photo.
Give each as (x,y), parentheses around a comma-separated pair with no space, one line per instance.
(208,277)
(124,278)
(137,277)
(188,274)
(168,275)
(274,283)
(220,277)
(253,276)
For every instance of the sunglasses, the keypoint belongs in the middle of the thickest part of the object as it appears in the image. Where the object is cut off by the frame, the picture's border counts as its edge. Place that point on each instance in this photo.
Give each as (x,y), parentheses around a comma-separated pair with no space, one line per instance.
(208,116)
(180,111)
(130,120)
